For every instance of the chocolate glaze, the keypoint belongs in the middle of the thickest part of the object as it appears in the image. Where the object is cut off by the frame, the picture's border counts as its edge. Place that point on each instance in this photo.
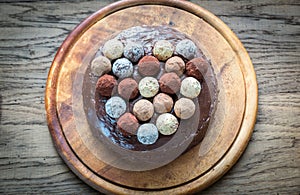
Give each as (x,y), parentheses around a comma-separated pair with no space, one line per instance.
(147,36)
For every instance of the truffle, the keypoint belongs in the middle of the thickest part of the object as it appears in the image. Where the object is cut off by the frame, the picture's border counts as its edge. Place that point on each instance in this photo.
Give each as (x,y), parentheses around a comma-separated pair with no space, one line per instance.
(184,108)
(105,85)
(115,107)
(100,65)
(169,83)
(128,124)
(113,49)
(143,110)
(175,64)
(133,51)
(147,134)
(148,66)
(148,87)
(122,68)
(167,124)
(190,87)
(128,88)
(162,103)
(186,48)
(163,50)
(197,68)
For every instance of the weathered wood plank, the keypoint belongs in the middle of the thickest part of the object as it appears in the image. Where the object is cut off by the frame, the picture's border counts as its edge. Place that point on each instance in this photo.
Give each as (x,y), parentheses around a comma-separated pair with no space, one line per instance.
(32,31)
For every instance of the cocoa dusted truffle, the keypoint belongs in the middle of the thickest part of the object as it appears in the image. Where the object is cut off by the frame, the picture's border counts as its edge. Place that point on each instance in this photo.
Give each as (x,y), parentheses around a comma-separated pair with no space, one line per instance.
(128,124)
(162,103)
(128,88)
(184,108)
(113,49)
(133,51)
(186,48)
(143,109)
(105,85)
(169,83)
(197,68)
(148,66)
(115,107)
(100,65)
(175,64)
(122,68)
(163,50)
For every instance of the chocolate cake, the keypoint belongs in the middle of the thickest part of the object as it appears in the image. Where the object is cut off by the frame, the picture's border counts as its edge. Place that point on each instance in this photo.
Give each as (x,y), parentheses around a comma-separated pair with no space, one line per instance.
(166,82)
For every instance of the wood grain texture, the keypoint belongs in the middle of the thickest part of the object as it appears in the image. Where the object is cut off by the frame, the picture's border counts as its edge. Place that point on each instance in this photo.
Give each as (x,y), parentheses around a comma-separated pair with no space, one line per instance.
(32,31)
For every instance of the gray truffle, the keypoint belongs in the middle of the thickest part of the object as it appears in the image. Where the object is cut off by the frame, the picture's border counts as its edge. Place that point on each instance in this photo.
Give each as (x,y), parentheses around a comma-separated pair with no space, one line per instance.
(167,124)
(122,68)
(147,134)
(186,48)
(190,87)
(133,51)
(115,107)
(100,66)
(113,49)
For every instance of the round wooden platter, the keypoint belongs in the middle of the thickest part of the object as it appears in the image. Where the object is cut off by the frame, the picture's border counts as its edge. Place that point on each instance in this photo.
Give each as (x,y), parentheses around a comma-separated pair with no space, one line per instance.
(229,131)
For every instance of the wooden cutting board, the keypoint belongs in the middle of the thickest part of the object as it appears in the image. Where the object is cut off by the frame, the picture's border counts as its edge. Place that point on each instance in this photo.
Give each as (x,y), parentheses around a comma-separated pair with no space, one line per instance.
(230,128)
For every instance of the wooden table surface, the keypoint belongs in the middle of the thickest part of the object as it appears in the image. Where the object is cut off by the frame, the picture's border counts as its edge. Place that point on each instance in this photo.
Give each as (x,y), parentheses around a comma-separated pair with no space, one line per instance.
(31,32)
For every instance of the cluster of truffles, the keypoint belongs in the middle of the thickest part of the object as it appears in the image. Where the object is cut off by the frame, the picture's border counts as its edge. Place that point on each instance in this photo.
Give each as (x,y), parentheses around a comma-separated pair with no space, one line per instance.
(167,86)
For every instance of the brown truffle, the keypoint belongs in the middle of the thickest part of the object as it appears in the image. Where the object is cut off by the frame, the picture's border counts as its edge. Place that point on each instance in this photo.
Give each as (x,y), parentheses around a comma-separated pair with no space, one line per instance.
(169,83)
(149,66)
(106,85)
(128,88)
(128,124)
(197,68)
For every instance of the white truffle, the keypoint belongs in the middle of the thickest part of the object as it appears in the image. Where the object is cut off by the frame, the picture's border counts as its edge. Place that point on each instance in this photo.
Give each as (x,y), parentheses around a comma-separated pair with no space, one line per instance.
(122,68)
(186,48)
(167,124)
(115,107)
(113,49)
(148,87)
(190,87)
(184,108)
(100,66)
(147,134)
(143,109)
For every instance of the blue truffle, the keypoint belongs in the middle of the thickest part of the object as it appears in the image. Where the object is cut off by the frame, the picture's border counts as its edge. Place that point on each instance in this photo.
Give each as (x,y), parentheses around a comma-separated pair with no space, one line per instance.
(147,134)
